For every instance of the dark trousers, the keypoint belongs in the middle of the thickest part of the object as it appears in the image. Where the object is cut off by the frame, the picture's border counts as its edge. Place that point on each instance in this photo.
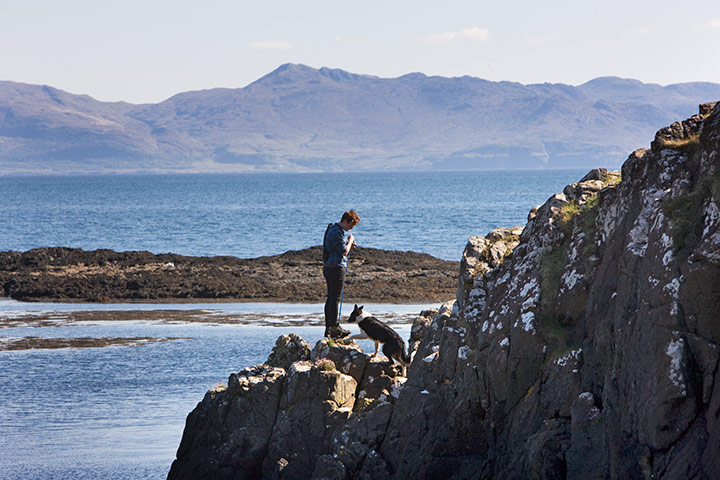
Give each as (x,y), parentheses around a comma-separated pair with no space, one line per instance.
(334,277)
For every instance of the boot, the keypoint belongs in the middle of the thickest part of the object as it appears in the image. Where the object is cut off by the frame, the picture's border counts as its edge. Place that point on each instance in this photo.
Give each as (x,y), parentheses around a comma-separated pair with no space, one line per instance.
(336,331)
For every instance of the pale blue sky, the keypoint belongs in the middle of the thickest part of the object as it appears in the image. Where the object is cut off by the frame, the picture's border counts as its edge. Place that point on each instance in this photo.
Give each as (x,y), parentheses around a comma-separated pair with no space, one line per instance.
(147,51)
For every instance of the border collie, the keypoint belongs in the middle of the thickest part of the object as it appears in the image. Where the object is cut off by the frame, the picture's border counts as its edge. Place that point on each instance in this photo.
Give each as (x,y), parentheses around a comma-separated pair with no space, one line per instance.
(379,332)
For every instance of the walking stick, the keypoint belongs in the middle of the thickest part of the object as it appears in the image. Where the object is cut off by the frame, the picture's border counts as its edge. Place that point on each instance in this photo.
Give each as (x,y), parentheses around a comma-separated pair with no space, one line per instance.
(342,291)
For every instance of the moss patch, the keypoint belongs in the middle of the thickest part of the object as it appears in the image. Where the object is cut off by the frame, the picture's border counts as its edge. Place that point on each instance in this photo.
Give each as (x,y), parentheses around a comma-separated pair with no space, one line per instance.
(688,144)
(557,338)
(685,211)
(551,268)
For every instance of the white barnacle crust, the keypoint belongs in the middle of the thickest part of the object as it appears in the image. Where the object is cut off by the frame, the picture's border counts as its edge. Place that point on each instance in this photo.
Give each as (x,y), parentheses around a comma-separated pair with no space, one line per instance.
(528,287)
(527,322)
(667,245)
(530,303)
(503,279)
(712,217)
(396,388)
(587,396)
(299,367)
(675,352)
(639,234)
(573,355)
(673,288)
(433,355)
(570,279)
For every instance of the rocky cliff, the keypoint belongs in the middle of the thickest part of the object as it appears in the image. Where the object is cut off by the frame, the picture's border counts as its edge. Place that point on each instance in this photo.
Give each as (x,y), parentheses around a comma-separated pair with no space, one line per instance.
(585,347)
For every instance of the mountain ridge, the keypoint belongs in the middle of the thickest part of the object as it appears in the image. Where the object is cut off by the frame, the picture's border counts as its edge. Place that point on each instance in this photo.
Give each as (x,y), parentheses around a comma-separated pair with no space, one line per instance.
(298,118)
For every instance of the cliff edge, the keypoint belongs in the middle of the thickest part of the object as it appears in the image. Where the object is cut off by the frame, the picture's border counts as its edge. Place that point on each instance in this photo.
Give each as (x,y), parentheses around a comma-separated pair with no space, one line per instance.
(586,347)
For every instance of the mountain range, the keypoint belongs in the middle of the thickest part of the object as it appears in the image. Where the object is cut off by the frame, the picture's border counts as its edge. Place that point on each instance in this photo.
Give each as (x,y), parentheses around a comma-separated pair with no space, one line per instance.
(299,118)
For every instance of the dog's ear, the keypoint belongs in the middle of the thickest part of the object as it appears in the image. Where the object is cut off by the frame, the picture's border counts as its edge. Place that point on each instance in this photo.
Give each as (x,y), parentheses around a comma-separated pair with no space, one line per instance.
(362,306)
(356,306)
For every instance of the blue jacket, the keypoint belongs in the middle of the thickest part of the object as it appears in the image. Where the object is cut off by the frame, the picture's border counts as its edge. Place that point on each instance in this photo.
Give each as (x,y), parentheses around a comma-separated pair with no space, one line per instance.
(335,243)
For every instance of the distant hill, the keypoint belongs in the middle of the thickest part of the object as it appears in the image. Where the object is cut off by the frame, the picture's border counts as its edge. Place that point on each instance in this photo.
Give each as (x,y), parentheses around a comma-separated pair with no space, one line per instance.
(299,118)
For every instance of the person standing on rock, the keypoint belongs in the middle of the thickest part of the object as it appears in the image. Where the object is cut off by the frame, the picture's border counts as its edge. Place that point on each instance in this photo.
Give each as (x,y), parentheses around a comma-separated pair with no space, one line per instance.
(336,249)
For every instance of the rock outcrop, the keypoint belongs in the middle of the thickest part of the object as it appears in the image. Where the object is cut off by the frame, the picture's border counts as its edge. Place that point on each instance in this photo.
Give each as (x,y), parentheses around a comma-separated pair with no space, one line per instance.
(586,346)
(274,422)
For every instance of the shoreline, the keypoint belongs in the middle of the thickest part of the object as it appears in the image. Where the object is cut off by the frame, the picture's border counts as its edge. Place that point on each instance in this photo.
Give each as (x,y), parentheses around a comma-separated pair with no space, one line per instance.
(29,329)
(191,301)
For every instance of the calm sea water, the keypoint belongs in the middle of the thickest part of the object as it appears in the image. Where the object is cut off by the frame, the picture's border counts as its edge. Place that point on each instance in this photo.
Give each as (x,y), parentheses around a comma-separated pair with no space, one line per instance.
(265,214)
(118,412)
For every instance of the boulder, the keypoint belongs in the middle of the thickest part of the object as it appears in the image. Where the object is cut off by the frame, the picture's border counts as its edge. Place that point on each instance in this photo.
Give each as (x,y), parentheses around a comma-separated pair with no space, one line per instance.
(226,435)
(420,325)
(288,350)
(345,353)
(314,404)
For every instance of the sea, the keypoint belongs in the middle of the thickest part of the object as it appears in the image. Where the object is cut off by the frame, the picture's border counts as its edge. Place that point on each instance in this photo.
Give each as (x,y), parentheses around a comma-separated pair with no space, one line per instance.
(118,411)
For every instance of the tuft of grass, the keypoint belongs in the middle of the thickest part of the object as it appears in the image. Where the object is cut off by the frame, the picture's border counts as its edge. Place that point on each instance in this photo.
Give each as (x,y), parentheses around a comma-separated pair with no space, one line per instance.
(485,257)
(564,218)
(613,178)
(685,213)
(687,145)
(554,262)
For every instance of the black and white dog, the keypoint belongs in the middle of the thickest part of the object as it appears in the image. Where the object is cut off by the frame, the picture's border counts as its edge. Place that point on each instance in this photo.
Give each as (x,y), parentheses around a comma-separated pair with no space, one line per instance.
(379,332)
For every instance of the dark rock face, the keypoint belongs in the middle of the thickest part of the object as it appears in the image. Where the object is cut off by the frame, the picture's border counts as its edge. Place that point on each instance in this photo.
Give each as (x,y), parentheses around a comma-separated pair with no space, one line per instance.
(228,432)
(66,274)
(288,423)
(590,349)
(593,349)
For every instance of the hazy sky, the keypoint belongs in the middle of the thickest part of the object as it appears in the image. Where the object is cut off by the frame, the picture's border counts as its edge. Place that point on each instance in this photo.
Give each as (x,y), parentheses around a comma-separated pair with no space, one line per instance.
(148,50)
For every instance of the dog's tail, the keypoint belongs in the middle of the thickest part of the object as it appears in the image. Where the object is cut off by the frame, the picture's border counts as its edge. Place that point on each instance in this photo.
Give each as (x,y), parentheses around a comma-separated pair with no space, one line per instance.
(404,357)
